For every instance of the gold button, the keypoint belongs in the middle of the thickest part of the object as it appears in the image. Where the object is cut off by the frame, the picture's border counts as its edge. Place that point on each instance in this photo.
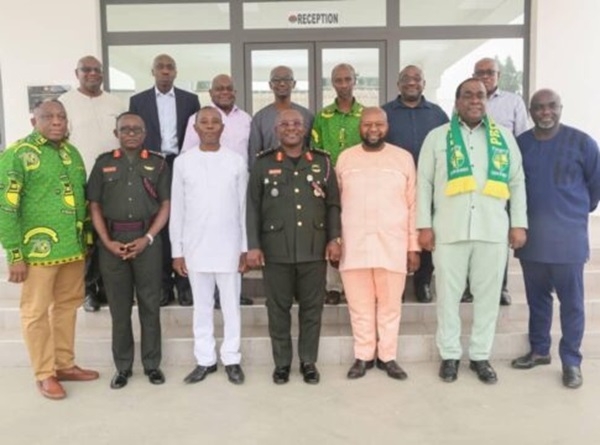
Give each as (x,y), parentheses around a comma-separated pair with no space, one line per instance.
(299,223)
(296,190)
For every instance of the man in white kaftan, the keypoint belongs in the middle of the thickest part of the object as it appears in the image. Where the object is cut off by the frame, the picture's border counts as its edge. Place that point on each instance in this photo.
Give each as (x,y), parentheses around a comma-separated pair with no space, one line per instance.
(208,238)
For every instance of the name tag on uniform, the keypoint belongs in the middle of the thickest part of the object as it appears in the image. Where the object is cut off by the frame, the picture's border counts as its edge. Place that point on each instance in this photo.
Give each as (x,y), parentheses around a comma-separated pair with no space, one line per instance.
(149,167)
(110,169)
(275,171)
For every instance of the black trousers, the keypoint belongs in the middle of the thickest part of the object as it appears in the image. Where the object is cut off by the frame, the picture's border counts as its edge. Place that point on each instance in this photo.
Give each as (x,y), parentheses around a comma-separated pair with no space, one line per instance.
(306,282)
(121,279)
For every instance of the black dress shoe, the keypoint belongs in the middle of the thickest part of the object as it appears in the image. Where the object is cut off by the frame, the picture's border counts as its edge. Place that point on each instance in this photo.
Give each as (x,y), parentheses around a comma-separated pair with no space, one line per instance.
(392,369)
(90,303)
(572,377)
(467,296)
(155,376)
(449,370)
(199,373)
(120,378)
(505,299)
(423,293)
(359,368)
(281,375)
(310,373)
(245,301)
(333,297)
(235,374)
(530,360)
(484,371)
(166,297)
(185,297)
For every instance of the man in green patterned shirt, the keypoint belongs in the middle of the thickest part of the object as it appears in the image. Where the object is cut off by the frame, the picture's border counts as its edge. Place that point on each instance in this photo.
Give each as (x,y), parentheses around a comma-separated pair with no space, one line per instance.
(336,127)
(42,213)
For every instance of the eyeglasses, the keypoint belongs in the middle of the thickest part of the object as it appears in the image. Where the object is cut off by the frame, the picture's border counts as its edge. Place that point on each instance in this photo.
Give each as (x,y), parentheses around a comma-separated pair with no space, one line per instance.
(89,69)
(290,124)
(483,73)
(281,79)
(131,130)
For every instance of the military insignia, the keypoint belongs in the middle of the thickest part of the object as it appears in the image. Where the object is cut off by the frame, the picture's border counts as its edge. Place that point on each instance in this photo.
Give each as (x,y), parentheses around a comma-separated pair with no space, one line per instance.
(117,153)
(279,156)
(64,156)
(144,154)
(41,240)
(111,169)
(31,161)
(275,171)
(315,168)
(317,190)
(309,156)
(149,167)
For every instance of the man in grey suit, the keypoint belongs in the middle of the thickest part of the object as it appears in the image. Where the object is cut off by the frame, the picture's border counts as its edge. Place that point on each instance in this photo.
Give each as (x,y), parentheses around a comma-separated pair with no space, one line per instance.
(165,110)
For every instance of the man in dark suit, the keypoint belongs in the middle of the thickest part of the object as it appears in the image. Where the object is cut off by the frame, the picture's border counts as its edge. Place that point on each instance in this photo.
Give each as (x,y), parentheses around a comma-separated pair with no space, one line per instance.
(165,111)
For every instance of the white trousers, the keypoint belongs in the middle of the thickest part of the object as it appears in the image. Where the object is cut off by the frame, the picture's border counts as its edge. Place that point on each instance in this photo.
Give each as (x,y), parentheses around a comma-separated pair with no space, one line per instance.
(203,290)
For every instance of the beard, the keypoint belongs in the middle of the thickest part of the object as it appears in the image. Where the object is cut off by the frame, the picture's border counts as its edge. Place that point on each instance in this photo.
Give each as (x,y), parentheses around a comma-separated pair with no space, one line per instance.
(373,145)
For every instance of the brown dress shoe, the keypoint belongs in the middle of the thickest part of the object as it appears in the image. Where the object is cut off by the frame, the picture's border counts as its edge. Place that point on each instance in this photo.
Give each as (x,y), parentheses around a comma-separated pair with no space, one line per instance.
(51,388)
(76,374)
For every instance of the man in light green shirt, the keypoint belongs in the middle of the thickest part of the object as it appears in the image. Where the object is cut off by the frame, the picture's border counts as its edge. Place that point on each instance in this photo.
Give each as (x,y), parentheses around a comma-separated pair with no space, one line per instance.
(467,171)
(336,127)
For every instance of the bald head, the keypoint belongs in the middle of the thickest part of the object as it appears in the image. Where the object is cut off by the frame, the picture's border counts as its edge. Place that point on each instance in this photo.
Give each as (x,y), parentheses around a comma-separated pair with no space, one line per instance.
(222,92)
(411,83)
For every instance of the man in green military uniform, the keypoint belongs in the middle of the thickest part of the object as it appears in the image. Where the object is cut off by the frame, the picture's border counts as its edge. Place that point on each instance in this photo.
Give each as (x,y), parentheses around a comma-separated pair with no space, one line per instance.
(129,192)
(336,127)
(293,225)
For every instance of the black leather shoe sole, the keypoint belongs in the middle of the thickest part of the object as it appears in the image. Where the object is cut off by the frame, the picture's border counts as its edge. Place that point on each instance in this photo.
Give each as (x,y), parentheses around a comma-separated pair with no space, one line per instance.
(120,379)
(281,375)
(199,373)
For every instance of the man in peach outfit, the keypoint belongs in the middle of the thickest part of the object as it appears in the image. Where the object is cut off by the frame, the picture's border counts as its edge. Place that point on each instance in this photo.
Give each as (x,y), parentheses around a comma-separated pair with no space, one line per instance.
(379,241)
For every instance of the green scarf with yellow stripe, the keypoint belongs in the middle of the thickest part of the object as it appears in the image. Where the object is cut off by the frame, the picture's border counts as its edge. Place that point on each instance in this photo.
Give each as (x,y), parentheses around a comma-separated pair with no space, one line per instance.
(460,175)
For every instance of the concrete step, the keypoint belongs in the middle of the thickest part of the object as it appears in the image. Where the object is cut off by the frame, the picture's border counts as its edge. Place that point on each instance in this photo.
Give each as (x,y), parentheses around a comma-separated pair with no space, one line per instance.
(416,344)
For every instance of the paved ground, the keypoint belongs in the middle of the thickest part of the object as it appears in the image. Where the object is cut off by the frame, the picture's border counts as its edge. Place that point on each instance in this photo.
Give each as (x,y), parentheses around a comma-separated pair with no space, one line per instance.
(525,407)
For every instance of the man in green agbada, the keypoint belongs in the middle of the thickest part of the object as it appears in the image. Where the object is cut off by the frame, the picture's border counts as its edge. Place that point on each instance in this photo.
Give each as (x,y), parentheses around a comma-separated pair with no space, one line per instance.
(42,214)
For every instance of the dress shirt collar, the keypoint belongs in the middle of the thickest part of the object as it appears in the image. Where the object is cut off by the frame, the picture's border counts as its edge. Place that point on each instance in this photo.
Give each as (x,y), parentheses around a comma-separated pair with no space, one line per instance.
(423,103)
(170,93)
(234,109)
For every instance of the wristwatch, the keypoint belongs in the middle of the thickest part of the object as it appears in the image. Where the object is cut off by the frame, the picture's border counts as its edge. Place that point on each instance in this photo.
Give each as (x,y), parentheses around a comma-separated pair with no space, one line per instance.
(338,240)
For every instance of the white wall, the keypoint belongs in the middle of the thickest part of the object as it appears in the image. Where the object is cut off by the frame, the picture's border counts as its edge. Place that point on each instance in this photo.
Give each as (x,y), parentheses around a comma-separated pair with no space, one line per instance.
(566,42)
(40,43)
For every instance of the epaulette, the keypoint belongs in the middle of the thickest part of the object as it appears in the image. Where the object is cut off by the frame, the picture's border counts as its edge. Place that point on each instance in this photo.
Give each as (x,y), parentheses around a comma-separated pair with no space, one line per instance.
(155,153)
(107,153)
(320,151)
(262,154)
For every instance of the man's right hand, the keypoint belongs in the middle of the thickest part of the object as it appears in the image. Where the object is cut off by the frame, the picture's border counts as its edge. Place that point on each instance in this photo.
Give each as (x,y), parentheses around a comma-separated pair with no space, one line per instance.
(180,267)
(17,272)
(427,239)
(255,259)
(116,248)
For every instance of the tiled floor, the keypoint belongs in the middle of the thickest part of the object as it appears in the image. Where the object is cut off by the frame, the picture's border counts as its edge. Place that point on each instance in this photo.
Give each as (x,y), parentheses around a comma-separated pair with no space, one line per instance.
(525,407)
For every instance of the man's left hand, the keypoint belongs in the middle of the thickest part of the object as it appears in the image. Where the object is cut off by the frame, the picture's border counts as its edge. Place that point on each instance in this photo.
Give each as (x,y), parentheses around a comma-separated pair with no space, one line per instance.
(135,248)
(517,236)
(333,252)
(243,265)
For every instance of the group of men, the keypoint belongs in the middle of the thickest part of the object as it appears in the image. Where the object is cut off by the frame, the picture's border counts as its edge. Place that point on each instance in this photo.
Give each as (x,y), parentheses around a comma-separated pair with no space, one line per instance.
(350,200)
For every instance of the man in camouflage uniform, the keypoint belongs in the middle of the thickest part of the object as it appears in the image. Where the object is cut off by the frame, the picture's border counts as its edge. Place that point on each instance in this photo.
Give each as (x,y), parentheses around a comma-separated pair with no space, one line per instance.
(129,192)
